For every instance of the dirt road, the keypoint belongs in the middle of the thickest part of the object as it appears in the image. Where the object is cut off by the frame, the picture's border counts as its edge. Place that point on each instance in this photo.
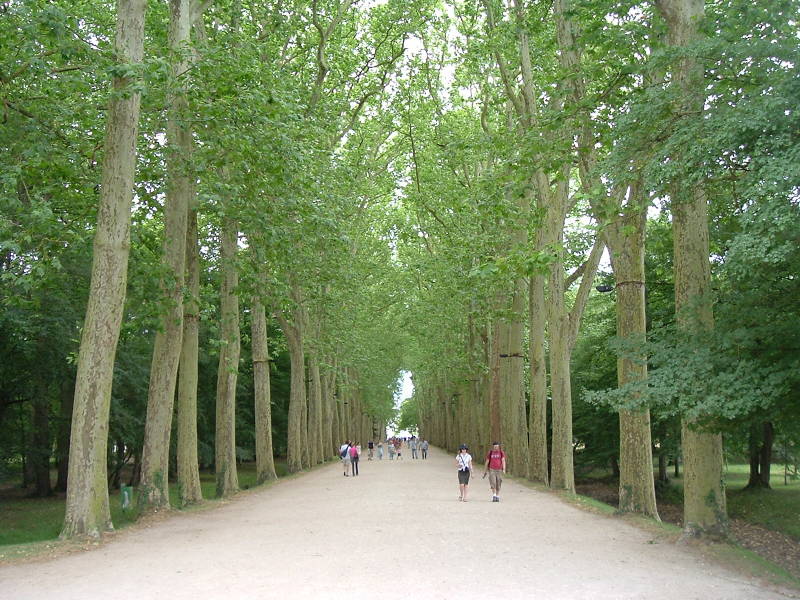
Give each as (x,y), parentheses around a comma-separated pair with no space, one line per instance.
(397,530)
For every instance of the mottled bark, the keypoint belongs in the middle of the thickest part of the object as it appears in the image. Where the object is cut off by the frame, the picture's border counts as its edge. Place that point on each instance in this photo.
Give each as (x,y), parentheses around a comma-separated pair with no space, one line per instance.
(154,487)
(704,491)
(537,427)
(265,463)
(315,410)
(329,422)
(626,249)
(87,509)
(562,474)
(228,370)
(296,437)
(305,449)
(189,490)
(494,342)
(515,426)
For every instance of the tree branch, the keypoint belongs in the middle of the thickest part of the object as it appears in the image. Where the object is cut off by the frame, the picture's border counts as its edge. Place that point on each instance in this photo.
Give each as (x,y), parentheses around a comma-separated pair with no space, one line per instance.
(586,284)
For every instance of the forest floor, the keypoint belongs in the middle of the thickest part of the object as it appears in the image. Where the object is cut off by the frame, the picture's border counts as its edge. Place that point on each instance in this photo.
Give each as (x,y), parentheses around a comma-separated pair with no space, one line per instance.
(397,529)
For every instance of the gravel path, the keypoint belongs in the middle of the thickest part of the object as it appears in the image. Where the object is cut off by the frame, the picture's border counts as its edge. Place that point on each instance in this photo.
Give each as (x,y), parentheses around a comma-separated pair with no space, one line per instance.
(396,530)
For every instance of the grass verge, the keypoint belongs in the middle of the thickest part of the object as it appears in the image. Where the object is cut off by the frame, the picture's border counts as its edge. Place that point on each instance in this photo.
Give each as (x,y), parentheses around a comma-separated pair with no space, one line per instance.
(27,523)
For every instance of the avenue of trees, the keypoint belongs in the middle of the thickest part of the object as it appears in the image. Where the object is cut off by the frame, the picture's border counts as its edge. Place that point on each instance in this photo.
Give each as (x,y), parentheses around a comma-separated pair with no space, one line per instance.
(227,226)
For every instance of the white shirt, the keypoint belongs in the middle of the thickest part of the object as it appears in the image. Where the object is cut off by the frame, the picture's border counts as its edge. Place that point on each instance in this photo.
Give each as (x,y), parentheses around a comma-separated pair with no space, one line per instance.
(464,461)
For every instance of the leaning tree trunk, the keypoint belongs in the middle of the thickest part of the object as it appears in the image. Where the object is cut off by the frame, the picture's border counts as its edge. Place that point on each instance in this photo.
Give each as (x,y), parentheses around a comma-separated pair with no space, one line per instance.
(87,508)
(265,463)
(626,248)
(228,370)
(154,486)
(189,490)
(704,491)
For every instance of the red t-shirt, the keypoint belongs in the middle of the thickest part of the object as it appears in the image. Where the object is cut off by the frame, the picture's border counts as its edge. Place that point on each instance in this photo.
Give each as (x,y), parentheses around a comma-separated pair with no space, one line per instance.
(495,458)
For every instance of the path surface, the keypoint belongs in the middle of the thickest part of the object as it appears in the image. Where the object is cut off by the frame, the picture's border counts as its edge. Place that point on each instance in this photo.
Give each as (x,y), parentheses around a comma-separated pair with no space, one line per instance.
(397,530)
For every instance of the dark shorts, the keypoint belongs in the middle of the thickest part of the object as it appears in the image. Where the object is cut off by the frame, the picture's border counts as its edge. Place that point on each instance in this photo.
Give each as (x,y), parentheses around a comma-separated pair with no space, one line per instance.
(463,477)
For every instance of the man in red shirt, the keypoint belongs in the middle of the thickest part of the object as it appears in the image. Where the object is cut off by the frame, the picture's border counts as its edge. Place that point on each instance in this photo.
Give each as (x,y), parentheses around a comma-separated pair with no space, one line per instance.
(495,466)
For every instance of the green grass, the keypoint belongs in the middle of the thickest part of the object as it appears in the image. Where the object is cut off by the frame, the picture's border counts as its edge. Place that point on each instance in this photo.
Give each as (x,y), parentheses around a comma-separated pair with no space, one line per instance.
(777,508)
(25,520)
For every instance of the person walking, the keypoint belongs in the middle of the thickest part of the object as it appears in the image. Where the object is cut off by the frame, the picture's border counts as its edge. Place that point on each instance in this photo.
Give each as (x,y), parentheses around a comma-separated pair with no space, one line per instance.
(496,467)
(380,450)
(390,443)
(398,445)
(370,449)
(344,454)
(464,465)
(413,447)
(424,447)
(354,453)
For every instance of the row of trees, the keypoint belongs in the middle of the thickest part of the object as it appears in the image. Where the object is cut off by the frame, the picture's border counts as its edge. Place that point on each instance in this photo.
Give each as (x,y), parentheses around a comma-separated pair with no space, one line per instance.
(428,186)
(661,132)
(237,191)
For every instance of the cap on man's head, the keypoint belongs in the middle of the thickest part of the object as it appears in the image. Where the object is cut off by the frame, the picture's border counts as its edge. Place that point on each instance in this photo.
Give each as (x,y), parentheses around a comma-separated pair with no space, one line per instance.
(463,447)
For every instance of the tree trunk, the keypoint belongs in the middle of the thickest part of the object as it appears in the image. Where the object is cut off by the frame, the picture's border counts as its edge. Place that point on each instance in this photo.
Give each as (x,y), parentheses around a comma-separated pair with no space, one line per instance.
(136,470)
(766,453)
(537,462)
(189,490)
(228,370)
(494,381)
(663,477)
(637,492)
(563,473)
(514,425)
(315,410)
(154,488)
(40,436)
(329,423)
(754,449)
(265,463)
(305,452)
(704,492)
(297,395)
(761,442)
(62,440)
(87,508)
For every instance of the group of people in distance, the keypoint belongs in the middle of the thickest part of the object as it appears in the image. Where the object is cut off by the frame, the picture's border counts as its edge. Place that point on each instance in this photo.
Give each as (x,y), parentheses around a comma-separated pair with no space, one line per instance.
(494,467)
(494,463)
(350,452)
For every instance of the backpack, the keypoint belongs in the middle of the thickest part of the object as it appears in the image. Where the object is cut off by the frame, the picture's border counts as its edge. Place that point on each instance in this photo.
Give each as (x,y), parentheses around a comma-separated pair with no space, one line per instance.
(343,453)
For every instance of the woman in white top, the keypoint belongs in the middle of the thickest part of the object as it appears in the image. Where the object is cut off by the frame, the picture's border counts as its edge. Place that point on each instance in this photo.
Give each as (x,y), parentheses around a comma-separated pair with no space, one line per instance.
(464,465)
